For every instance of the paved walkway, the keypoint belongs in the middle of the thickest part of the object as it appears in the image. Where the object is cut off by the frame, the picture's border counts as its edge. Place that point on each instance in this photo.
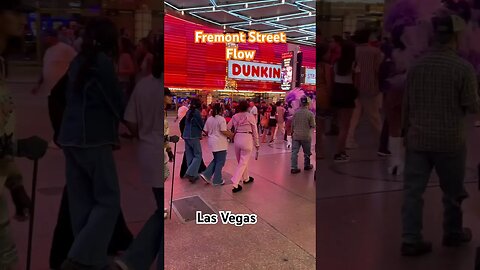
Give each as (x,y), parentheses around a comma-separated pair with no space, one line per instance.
(358,213)
(283,238)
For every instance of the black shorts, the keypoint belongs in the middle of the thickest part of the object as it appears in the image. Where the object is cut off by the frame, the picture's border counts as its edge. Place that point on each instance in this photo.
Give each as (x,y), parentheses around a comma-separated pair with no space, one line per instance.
(343,96)
(272,122)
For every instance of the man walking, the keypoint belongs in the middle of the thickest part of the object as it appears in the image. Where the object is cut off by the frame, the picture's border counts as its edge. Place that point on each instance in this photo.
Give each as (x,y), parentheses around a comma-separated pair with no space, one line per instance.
(369,99)
(303,123)
(441,89)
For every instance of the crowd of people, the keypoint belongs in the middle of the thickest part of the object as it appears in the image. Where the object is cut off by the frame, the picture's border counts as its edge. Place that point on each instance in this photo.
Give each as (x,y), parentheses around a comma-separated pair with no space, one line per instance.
(424,100)
(97,81)
(247,124)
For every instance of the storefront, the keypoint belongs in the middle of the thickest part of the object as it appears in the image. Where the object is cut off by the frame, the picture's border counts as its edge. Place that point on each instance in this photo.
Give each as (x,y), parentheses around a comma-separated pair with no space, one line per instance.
(193,69)
(137,17)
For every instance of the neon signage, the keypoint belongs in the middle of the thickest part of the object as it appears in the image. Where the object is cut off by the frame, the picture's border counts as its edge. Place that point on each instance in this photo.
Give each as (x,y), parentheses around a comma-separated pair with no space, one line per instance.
(254,71)
(240,37)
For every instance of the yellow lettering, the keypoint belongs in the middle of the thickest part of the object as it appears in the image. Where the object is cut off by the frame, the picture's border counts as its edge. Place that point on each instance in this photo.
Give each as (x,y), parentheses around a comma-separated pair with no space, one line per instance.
(198,36)
(251,36)
(230,53)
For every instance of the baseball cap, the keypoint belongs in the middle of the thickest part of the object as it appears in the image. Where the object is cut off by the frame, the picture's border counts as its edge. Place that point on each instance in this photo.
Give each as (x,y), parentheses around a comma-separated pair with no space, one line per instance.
(448,24)
(15,5)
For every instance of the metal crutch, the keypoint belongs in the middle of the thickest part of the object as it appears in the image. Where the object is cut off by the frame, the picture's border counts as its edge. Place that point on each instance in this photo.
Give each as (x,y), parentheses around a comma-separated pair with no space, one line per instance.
(32,213)
(174,139)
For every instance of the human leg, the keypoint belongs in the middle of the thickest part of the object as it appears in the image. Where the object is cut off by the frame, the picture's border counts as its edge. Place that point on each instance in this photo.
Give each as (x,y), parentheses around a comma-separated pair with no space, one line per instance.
(418,168)
(149,242)
(196,161)
(294,157)
(344,120)
(450,168)
(220,158)
(307,152)
(353,124)
(95,180)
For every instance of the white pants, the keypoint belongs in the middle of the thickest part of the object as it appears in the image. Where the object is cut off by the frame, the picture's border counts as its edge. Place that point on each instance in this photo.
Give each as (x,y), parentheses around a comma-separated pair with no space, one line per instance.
(243,152)
(371,107)
(280,127)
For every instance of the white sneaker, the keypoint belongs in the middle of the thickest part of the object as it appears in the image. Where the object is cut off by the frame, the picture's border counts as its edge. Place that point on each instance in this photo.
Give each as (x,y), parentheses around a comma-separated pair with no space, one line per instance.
(221,184)
(204,178)
(121,265)
(396,162)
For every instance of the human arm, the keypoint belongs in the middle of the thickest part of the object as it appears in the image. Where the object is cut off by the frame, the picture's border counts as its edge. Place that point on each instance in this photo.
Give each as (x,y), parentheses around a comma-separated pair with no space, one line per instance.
(254,131)
(224,129)
(311,121)
(469,95)
(130,116)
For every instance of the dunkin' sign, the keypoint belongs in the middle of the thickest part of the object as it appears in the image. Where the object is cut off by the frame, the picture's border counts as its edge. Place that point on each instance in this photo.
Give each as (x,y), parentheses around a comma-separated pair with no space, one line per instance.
(253,71)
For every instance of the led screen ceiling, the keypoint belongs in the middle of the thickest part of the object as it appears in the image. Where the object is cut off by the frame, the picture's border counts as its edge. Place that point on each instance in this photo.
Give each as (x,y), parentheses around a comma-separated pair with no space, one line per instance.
(295,18)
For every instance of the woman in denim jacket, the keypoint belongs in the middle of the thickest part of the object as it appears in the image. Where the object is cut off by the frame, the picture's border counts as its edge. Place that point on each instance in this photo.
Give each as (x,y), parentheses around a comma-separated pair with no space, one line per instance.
(88,135)
(192,134)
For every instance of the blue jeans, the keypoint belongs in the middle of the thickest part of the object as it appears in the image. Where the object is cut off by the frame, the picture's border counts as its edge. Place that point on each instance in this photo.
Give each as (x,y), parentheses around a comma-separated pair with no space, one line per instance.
(94,202)
(149,242)
(450,168)
(193,152)
(216,166)
(307,152)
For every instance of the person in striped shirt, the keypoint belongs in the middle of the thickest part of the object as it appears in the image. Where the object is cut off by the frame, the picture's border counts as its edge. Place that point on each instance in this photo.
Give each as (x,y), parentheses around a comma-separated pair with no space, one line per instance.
(369,99)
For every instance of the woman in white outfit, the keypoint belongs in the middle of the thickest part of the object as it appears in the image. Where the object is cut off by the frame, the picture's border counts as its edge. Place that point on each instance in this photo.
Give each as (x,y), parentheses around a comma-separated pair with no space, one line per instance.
(245,138)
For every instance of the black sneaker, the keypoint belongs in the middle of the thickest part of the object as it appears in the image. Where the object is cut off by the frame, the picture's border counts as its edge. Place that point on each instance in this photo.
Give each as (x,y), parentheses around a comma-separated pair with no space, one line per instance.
(342,157)
(295,171)
(308,168)
(191,178)
(457,240)
(250,180)
(416,249)
(237,189)
(384,153)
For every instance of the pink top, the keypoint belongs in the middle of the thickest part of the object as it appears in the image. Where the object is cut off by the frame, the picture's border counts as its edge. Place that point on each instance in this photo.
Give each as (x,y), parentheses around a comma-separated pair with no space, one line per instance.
(245,122)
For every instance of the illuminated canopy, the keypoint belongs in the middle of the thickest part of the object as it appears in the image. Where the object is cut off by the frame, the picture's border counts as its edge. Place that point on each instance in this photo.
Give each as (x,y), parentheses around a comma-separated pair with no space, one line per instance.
(295,18)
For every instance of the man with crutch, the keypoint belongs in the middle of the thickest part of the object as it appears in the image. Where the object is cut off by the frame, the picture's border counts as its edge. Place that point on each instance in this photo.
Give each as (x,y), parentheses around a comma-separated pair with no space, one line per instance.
(12,23)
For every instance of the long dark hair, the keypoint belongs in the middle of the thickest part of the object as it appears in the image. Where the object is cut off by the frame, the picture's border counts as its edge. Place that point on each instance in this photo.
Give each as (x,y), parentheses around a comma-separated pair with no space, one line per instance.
(100,36)
(217,109)
(195,104)
(346,60)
